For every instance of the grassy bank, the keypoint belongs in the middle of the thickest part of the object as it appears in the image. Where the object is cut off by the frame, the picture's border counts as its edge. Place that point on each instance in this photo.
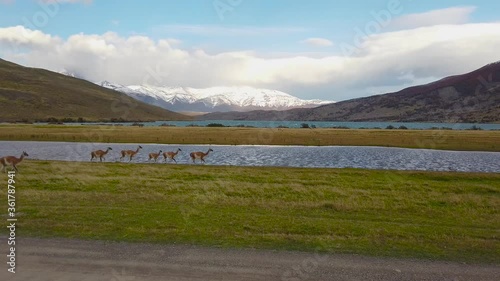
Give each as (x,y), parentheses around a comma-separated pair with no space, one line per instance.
(450,216)
(432,139)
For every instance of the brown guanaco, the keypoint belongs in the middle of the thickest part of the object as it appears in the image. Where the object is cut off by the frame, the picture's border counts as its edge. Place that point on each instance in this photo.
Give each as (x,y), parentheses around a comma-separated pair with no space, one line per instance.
(171,155)
(11,161)
(130,153)
(154,156)
(199,155)
(99,154)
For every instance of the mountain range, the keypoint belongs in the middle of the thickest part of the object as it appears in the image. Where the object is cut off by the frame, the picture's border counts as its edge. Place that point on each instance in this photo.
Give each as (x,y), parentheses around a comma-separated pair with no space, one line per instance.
(471,97)
(36,94)
(185,99)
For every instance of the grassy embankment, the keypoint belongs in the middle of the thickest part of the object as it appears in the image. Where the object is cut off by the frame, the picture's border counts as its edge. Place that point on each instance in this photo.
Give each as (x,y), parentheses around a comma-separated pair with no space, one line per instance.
(433,139)
(450,216)
(37,94)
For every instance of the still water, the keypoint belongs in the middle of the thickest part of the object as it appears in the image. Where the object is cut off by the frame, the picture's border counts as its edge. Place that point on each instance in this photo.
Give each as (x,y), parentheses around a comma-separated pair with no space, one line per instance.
(318,124)
(286,156)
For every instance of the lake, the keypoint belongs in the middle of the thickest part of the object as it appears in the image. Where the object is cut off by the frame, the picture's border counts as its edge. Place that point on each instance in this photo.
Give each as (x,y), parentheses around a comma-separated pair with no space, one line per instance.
(318,124)
(285,156)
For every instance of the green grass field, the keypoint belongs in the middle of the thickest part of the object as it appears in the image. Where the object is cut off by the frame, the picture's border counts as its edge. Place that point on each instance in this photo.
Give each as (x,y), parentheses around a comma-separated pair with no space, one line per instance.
(445,216)
(430,139)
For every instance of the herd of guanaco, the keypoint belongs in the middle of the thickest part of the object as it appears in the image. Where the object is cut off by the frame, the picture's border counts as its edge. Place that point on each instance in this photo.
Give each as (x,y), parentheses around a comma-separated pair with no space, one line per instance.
(12,161)
(168,155)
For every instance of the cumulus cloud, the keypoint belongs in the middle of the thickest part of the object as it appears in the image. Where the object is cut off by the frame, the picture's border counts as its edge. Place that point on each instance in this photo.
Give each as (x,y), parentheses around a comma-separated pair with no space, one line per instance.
(453,15)
(386,60)
(20,37)
(318,42)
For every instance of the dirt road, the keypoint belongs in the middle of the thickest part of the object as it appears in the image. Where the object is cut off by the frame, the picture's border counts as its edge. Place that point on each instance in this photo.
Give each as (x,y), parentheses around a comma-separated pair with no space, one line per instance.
(65,259)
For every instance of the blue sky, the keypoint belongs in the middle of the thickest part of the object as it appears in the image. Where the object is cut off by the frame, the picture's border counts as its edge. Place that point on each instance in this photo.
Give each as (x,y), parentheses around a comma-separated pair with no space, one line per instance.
(304,48)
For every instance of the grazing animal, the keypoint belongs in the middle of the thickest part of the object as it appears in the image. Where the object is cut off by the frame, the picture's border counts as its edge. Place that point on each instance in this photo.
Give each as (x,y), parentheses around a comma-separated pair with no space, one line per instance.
(130,153)
(154,156)
(11,161)
(171,155)
(99,154)
(199,155)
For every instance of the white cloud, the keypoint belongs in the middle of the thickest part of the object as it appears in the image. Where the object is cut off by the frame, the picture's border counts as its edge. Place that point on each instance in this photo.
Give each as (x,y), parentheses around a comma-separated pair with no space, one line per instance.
(385,60)
(318,42)
(454,15)
(20,37)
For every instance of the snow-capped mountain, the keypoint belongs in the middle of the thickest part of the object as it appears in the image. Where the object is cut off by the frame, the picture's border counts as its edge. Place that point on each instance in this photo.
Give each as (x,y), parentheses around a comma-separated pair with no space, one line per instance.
(214,99)
(69,73)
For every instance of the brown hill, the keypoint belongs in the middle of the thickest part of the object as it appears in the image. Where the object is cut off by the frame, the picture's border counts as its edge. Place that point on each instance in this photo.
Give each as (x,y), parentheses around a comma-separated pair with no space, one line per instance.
(471,97)
(32,94)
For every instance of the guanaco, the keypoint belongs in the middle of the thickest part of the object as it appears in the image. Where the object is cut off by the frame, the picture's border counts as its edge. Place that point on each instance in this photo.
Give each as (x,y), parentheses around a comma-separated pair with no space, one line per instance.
(154,156)
(11,161)
(171,155)
(99,154)
(199,155)
(130,153)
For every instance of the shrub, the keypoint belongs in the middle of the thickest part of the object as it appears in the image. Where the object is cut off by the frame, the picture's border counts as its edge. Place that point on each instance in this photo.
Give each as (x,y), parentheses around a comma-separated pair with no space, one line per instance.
(68,120)
(167,125)
(215,125)
(475,128)
(115,120)
(52,120)
(342,127)
(137,124)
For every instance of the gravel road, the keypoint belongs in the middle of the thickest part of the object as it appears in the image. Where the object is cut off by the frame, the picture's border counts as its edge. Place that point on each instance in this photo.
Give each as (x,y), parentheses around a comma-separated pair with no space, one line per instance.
(67,259)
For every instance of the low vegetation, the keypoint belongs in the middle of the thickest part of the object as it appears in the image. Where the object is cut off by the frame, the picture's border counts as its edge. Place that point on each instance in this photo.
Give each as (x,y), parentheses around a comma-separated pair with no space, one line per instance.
(470,140)
(446,216)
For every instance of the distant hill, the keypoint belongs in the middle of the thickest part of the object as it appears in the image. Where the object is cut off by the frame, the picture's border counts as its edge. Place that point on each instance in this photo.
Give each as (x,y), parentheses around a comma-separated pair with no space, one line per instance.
(32,94)
(471,97)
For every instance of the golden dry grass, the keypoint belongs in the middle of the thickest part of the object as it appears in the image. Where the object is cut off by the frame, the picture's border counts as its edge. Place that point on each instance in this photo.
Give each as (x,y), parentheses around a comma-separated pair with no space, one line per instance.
(429,139)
